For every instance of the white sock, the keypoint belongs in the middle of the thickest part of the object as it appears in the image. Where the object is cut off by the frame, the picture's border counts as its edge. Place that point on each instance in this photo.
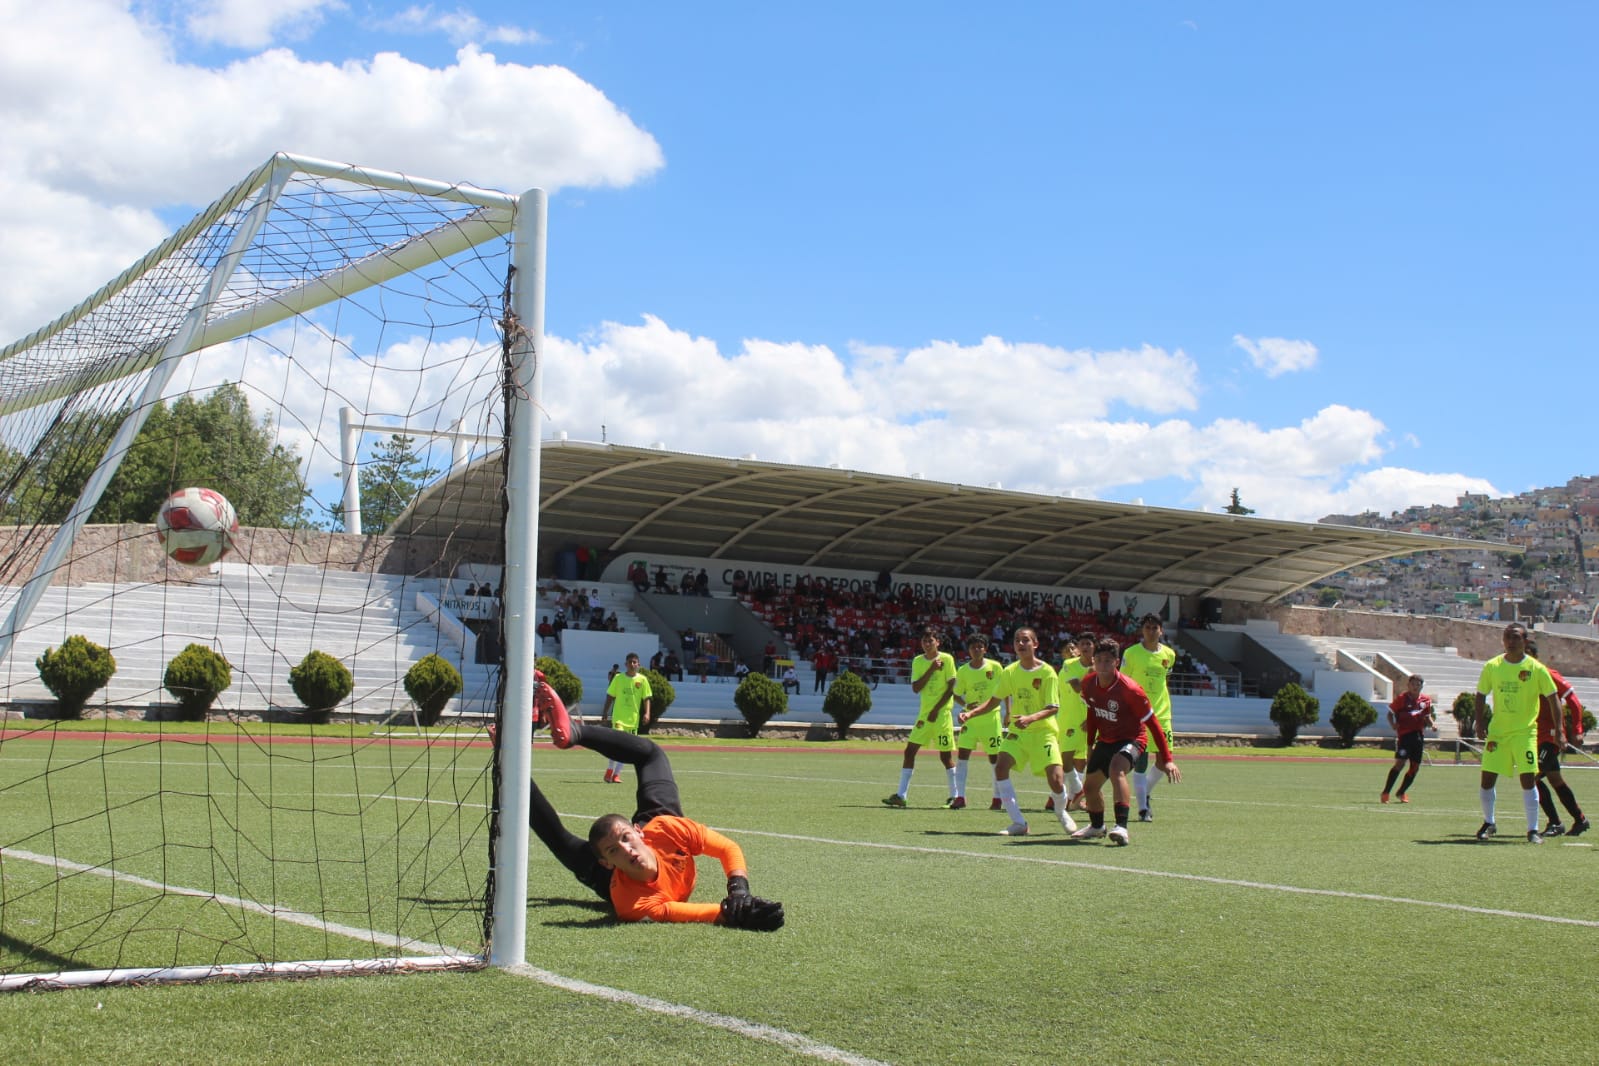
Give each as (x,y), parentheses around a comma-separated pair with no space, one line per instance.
(905,783)
(1141,787)
(614,766)
(1074,782)
(962,769)
(1060,801)
(1529,800)
(1006,792)
(951,773)
(1152,778)
(1487,797)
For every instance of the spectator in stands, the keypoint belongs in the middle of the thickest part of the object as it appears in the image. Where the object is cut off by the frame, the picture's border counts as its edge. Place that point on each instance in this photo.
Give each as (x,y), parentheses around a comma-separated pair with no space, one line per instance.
(790,679)
(658,660)
(821,666)
(690,642)
(639,575)
(685,586)
(741,670)
(702,583)
(545,630)
(769,658)
(933,680)
(661,584)
(1521,687)
(673,670)
(1411,715)
(616,668)
(741,583)
(1550,748)
(613,624)
(884,584)
(560,622)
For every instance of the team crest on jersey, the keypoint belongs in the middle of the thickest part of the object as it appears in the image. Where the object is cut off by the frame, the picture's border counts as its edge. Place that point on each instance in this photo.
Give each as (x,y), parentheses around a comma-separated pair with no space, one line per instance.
(1038,682)
(1525,675)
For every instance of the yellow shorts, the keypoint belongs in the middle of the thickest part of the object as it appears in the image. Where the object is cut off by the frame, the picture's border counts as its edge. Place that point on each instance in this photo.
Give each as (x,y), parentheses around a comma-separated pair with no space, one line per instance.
(981,734)
(939,735)
(1073,742)
(1033,747)
(1512,753)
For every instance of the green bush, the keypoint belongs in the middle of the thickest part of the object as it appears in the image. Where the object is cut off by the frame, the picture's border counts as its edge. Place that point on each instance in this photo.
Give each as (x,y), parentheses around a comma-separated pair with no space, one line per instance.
(1350,715)
(848,699)
(196,676)
(1293,708)
(566,684)
(1464,712)
(663,697)
(431,683)
(1588,720)
(321,683)
(74,672)
(759,699)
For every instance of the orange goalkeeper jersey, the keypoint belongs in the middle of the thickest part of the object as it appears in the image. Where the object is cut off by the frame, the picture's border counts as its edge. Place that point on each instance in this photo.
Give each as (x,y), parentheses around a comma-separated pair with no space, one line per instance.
(676,841)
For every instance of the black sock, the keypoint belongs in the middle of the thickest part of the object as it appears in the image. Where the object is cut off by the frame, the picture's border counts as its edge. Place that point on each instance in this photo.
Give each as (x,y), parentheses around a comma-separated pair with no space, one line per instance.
(1393,775)
(1096,819)
(1547,802)
(1570,800)
(1121,814)
(1403,785)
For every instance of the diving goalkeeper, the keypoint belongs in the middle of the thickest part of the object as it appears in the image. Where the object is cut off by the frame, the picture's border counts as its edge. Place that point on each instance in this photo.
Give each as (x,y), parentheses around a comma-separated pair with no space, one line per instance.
(643,865)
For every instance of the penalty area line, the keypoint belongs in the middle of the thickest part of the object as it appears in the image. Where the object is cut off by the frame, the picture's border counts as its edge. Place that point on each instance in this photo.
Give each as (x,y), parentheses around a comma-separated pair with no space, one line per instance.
(802,1045)
(1229,882)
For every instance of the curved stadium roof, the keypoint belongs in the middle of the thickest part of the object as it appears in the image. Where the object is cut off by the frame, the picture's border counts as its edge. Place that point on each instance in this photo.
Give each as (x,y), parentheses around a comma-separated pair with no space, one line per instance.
(625,499)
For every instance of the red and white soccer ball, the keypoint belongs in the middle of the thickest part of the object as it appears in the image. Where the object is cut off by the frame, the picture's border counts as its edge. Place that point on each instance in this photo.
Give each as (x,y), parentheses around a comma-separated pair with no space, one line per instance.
(196,526)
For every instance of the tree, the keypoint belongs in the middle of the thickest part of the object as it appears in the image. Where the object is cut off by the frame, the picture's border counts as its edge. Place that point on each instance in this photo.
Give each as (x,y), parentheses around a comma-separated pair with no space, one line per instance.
(214,442)
(846,701)
(1237,506)
(1350,715)
(389,481)
(1292,708)
(759,698)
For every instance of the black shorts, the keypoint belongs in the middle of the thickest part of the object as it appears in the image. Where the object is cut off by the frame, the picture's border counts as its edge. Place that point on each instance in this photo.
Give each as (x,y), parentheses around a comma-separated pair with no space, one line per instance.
(1410,746)
(1105,751)
(1549,758)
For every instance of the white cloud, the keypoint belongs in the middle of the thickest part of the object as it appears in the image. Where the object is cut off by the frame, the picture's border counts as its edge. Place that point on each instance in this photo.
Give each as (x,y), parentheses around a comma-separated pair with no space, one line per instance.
(124,128)
(255,23)
(460,26)
(1278,355)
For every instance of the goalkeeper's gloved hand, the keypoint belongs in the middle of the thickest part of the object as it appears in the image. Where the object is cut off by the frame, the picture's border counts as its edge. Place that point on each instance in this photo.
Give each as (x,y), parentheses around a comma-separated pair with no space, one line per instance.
(752,912)
(738,885)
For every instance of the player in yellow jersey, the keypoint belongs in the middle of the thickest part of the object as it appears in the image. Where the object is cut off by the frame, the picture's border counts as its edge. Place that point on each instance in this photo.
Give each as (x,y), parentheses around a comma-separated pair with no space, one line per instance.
(1077,661)
(933,679)
(1032,739)
(1149,662)
(627,703)
(975,682)
(1521,687)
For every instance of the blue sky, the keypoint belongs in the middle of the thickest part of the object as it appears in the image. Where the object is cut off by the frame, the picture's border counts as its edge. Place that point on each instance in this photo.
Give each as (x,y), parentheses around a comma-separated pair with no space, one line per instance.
(1339,256)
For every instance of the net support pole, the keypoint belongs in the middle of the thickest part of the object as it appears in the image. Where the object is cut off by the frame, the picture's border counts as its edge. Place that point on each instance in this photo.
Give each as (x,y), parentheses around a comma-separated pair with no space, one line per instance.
(349,452)
(508,945)
(179,345)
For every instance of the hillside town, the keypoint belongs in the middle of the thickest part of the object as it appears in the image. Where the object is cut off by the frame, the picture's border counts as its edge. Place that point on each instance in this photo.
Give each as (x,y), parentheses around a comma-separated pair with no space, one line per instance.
(1555,579)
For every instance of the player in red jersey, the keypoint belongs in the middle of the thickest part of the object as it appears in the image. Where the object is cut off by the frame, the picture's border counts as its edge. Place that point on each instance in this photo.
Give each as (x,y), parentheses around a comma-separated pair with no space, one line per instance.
(1411,715)
(1119,721)
(1550,746)
(644,865)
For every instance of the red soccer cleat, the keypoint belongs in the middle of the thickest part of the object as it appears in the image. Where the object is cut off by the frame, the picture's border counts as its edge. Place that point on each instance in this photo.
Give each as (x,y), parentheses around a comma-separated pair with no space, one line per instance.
(548,709)
(1049,804)
(1384,797)
(995,804)
(1403,798)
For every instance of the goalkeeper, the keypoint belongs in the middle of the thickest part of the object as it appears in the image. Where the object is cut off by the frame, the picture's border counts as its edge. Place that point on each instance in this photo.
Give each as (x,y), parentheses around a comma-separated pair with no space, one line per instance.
(644,865)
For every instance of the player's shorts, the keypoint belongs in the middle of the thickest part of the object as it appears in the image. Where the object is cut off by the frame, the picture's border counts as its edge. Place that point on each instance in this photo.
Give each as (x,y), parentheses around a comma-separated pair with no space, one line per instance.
(1142,764)
(1105,751)
(1511,753)
(624,725)
(981,734)
(1549,757)
(1038,749)
(939,735)
(1073,742)
(1410,746)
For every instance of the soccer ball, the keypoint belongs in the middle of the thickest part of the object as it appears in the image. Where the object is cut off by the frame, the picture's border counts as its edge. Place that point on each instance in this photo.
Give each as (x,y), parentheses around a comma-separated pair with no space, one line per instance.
(196,526)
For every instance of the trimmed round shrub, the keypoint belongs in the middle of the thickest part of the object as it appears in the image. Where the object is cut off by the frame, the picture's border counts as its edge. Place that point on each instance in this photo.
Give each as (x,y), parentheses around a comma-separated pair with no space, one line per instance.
(431,683)
(196,676)
(321,683)
(759,699)
(848,699)
(75,671)
(664,696)
(1464,712)
(1350,715)
(566,684)
(1293,708)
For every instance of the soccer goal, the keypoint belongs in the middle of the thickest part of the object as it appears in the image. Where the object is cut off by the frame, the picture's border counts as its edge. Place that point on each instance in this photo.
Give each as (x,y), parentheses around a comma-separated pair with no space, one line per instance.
(236,543)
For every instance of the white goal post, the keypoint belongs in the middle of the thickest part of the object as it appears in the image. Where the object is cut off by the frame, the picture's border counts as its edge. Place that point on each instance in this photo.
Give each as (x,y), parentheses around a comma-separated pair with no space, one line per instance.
(219,278)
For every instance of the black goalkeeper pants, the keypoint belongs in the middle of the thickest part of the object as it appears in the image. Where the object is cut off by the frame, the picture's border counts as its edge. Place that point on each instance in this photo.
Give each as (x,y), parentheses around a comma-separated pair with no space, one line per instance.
(657,794)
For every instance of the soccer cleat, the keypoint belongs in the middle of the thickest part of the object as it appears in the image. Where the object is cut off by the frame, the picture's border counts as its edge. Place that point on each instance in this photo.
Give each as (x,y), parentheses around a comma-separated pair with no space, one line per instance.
(1049,804)
(1534,837)
(548,707)
(1066,822)
(1488,829)
(1579,827)
(1146,815)
(1118,836)
(1554,829)
(608,775)
(1015,829)
(956,803)
(896,800)
(1384,798)
(995,804)
(1089,832)
(1403,798)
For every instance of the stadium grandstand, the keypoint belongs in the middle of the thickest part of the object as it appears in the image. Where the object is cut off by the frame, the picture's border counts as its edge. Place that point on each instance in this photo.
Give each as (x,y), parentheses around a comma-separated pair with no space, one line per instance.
(769,564)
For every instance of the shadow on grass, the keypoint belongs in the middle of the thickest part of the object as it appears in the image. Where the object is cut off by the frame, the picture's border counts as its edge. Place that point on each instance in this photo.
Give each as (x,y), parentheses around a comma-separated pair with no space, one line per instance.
(602,914)
(1470,840)
(32,953)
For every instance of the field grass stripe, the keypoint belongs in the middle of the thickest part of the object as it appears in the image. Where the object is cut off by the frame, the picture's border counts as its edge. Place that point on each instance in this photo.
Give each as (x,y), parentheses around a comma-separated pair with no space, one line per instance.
(310,921)
(1229,882)
(802,1045)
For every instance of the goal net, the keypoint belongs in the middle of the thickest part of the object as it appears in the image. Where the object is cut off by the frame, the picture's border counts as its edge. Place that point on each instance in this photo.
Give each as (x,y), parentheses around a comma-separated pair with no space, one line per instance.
(273,761)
